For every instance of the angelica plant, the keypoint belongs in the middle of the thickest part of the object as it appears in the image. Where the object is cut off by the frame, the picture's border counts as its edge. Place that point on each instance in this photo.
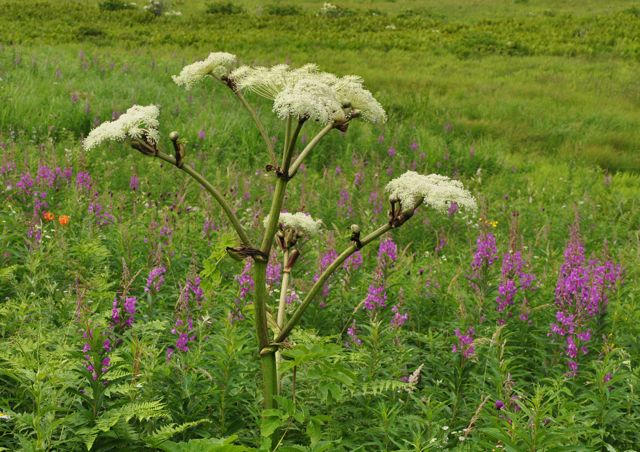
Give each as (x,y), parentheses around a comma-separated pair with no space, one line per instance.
(299,96)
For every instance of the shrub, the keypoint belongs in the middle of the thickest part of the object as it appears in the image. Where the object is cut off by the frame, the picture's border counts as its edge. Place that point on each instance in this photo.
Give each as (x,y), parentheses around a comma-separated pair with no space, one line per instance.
(283,10)
(225,8)
(114,5)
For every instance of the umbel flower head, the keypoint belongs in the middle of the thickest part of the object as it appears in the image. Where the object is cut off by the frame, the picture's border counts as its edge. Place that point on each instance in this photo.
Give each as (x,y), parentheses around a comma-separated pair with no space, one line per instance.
(300,222)
(307,92)
(217,65)
(412,189)
(137,123)
(309,98)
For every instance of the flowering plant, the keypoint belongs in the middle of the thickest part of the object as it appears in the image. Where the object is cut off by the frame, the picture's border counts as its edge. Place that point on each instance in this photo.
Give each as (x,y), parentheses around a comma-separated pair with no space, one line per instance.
(299,96)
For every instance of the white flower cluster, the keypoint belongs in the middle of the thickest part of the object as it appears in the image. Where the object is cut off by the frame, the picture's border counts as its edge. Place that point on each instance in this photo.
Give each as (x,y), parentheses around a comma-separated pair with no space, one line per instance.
(307,92)
(309,98)
(268,82)
(137,122)
(412,189)
(217,65)
(300,222)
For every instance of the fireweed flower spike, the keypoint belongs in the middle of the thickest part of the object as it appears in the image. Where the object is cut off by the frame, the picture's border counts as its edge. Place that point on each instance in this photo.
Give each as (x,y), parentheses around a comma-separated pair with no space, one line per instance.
(217,65)
(137,123)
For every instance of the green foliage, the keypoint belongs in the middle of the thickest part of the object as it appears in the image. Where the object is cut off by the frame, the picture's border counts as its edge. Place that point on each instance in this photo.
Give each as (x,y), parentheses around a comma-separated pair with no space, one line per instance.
(227,8)
(115,5)
(283,10)
(533,105)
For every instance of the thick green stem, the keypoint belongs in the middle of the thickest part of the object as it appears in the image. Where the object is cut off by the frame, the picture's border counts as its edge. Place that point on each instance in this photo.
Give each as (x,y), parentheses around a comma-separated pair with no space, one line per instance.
(267,352)
(297,315)
(214,192)
(269,379)
(260,305)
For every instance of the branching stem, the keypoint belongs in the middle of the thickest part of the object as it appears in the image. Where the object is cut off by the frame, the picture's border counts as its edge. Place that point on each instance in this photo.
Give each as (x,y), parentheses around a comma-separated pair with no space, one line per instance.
(297,314)
(242,234)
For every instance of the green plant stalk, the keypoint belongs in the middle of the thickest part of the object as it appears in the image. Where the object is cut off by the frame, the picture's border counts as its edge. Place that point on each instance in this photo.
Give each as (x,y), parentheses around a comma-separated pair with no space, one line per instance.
(297,314)
(282,310)
(214,192)
(267,352)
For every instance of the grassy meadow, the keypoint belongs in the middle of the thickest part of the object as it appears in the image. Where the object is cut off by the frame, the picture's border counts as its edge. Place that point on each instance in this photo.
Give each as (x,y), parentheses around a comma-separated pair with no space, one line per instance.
(534,105)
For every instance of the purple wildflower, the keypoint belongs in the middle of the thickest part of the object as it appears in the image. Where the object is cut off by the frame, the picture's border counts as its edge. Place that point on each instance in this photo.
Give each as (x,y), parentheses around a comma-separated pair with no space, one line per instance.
(582,294)
(155,280)
(45,176)
(399,318)
(208,228)
(514,281)
(83,181)
(353,262)
(387,252)
(25,184)
(453,208)
(376,297)
(134,183)
(352,332)
(246,286)
(274,271)
(465,343)
(486,252)
(377,202)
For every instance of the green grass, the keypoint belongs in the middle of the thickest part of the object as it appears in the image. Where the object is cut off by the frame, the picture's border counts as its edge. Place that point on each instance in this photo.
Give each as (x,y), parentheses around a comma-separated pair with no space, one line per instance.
(534,105)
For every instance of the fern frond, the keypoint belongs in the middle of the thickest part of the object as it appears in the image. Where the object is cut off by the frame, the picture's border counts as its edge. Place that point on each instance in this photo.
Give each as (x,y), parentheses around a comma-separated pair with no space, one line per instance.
(166,432)
(379,387)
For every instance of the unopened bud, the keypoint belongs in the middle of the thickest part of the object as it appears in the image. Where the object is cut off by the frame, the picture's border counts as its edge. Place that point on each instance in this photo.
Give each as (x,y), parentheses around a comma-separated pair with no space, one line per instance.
(355,229)
(173,136)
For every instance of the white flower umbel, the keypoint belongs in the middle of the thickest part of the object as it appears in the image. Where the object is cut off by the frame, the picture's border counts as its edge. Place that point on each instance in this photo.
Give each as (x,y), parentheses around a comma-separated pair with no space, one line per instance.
(350,91)
(268,82)
(301,222)
(137,123)
(306,88)
(412,189)
(309,98)
(217,65)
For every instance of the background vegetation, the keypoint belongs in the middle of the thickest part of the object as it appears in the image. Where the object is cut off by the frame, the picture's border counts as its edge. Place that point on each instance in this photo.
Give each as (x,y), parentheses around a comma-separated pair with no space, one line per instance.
(532,104)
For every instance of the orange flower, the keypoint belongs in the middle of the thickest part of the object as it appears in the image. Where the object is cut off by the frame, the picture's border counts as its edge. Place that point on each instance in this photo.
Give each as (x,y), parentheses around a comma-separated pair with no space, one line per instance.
(48,216)
(63,219)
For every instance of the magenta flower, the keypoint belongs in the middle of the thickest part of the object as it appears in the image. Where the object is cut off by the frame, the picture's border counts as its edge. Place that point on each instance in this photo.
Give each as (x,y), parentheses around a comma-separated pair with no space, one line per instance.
(134,183)
(155,280)
(376,297)
(582,295)
(465,343)
(387,252)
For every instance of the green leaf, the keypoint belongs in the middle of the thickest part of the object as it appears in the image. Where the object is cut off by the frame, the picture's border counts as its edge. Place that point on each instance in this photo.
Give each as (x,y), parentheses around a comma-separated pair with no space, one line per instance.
(205,445)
